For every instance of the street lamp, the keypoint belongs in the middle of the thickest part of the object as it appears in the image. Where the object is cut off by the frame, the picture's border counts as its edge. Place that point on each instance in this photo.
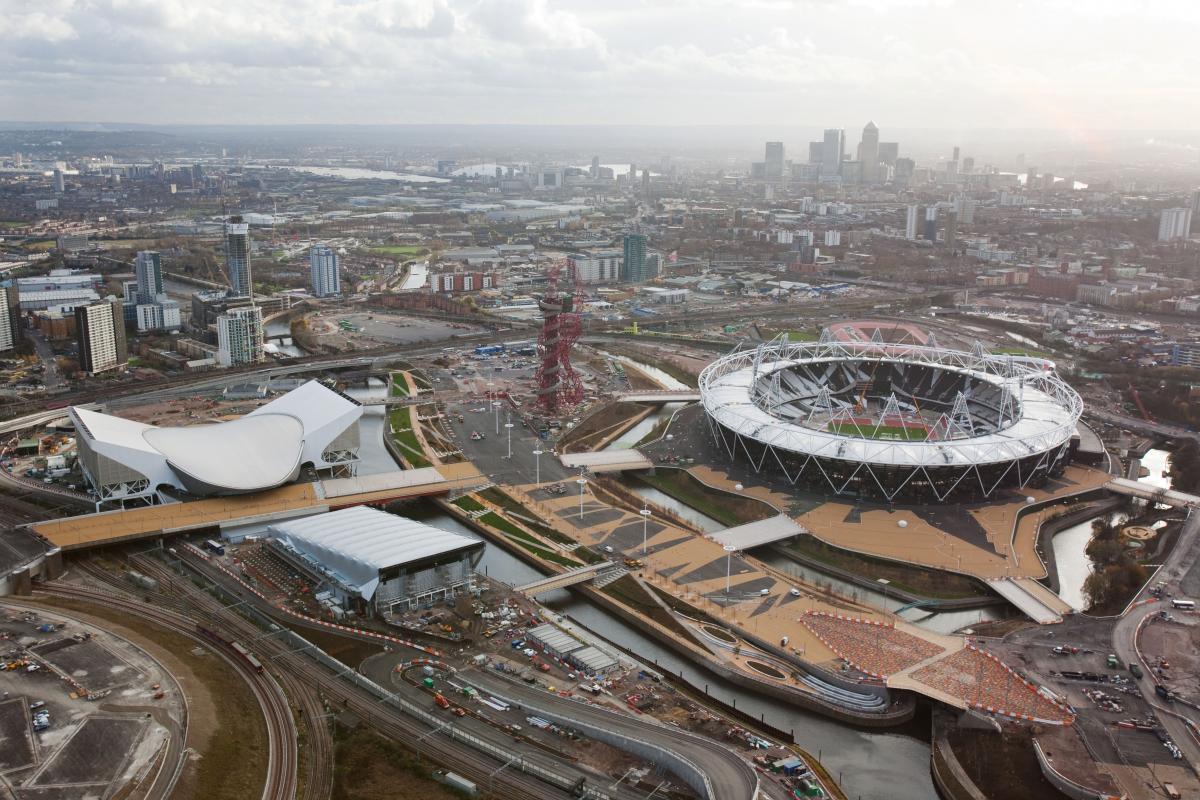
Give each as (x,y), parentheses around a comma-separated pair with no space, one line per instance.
(509,426)
(537,461)
(496,406)
(645,512)
(582,483)
(729,551)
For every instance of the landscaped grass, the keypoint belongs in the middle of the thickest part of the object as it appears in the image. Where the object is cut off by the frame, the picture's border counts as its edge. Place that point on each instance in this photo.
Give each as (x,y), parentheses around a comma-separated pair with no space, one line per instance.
(801,336)
(868,431)
(399,250)
(468,503)
(725,508)
(548,555)
(403,435)
(399,385)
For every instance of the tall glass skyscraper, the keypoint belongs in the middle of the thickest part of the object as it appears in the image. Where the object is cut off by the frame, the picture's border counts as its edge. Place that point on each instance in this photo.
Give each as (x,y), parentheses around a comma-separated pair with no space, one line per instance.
(148,269)
(635,258)
(237,256)
(324,269)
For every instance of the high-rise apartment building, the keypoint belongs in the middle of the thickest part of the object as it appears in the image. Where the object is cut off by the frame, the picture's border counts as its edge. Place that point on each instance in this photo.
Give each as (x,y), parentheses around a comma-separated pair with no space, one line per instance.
(10,318)
(833,151)
(889,152)
(148,270)
(815,151)
(237,256)
(240,336)
(910,222)
(1175,223)
(160,316)
(774,161)
(100,334)
(868,153)
(1196,204)
(634,264)
(931,215)
(324,268)
(60,182)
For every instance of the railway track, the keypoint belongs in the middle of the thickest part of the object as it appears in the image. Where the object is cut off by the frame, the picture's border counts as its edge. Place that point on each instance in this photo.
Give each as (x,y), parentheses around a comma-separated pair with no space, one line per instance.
(281,778)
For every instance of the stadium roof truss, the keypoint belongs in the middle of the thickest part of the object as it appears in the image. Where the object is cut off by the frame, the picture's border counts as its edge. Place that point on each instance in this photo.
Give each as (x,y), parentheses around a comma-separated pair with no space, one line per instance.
(1033,419)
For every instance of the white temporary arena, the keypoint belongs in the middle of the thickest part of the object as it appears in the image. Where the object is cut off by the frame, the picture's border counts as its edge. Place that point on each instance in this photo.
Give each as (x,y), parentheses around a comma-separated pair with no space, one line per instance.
(374,560)
(309,426)
(897,422)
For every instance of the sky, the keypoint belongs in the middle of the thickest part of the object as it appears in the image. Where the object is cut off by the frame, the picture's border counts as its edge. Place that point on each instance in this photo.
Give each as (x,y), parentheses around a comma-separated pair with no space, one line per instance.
(1068,65)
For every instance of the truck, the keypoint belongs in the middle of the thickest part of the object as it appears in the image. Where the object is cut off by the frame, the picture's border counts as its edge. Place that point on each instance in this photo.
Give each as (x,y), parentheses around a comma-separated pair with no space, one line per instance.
(441,700)
(1113,662)
(456,781)
(1135,670)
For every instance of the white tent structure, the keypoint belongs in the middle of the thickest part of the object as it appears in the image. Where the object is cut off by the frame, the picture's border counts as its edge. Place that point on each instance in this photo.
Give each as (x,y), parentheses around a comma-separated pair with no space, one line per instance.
(385,560)
(126,460)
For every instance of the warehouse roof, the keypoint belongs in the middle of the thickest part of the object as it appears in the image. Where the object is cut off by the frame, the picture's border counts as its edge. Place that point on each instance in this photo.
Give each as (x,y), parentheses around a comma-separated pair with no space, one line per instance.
(358,543)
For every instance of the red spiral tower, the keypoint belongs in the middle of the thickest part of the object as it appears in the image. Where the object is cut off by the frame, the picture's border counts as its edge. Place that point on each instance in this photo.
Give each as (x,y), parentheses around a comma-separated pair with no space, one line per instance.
(558,385)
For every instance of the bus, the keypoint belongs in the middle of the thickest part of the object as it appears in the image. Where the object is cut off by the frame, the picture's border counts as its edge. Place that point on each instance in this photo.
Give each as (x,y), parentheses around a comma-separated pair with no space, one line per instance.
(214,546)
(1184,605)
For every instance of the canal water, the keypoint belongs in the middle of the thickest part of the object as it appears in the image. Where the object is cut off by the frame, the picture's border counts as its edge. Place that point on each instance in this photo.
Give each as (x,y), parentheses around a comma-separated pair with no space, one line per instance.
(873,765)
(286,346)
(1070,544)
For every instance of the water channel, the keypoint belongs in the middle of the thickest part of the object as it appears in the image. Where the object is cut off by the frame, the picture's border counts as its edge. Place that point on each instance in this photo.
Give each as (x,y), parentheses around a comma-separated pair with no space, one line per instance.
(1070,544)
(873,765)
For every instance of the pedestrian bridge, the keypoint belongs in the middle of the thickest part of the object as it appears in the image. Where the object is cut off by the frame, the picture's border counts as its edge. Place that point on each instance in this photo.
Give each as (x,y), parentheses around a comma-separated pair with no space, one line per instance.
(663,396)
(564,579)
(606,460)
(1033,599)
(1157,494)
(754,534)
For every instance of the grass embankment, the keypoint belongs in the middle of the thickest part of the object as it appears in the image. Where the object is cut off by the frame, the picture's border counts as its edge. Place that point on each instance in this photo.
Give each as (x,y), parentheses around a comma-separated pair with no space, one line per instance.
(728,509)
(588,433)
(515,533)
(406,438)
(628,591)
(405,250)
(369,767)
(905,577)
(227,767)
(399,385)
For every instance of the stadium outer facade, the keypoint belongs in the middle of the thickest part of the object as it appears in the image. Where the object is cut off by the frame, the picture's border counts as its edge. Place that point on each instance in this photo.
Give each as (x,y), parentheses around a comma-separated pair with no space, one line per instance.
(949,425)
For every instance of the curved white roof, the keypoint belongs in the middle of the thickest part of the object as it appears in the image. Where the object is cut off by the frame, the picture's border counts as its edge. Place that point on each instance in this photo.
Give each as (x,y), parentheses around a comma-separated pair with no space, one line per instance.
(1049,408)
(260,451)
(247,454)
(358,543)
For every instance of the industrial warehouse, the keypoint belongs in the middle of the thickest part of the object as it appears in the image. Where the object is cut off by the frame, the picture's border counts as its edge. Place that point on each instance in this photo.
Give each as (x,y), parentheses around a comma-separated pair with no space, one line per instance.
(311,426)
(372,560)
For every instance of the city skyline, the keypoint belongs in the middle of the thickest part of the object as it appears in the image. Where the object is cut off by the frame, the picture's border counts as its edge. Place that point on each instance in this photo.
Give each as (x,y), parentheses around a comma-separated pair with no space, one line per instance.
(534,61)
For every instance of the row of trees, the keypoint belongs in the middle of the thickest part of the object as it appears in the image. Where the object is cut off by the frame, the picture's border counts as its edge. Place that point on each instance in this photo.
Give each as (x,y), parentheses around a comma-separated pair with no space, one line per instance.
(1117,574)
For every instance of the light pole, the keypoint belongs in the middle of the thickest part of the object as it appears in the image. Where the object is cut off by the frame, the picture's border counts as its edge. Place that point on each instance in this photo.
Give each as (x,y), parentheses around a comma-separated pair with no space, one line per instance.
(582,483)
(496,406)
(509,426)
(884,583)
(729,550)
(537,464)
(645,512)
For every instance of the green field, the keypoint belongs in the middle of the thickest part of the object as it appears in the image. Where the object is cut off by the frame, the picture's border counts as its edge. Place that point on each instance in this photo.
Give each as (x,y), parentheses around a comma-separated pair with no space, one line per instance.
(399,250)
(896,432)
(801,336)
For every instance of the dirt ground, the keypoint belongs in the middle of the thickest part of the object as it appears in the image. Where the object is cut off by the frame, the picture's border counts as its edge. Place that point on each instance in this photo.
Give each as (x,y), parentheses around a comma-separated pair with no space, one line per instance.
(1179,644)
(372,768)
(225,766)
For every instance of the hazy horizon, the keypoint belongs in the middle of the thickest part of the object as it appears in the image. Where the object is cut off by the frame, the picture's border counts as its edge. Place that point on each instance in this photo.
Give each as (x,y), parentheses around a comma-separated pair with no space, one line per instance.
(935,65)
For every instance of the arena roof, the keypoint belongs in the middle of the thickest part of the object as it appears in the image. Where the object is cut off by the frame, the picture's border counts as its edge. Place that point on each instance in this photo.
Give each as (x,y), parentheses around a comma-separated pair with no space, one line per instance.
(358,543)
(265,449)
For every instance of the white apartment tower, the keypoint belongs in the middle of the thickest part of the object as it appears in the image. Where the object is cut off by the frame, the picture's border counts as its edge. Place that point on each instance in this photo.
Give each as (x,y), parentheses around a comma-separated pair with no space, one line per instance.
(240,336)
(324,269)
(1175,223)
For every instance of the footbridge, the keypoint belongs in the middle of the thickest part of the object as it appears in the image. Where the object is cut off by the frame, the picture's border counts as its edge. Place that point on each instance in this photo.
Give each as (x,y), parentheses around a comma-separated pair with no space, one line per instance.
(755,534)
(564,579)
(1156,494)
(663,396)
(607,460)
(1033,599)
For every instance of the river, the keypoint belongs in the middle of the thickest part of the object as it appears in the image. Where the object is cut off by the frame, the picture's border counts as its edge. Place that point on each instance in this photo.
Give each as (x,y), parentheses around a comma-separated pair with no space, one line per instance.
(1070,544)
(286,346)
(354,173)
(872,765)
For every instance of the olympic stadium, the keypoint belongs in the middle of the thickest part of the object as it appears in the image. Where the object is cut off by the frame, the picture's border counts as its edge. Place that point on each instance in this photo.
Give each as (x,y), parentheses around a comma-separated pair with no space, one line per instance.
(895,422)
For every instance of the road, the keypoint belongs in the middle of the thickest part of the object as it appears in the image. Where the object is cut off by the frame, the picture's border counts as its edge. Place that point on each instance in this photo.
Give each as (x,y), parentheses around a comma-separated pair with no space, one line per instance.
(729,774)
(1182,560)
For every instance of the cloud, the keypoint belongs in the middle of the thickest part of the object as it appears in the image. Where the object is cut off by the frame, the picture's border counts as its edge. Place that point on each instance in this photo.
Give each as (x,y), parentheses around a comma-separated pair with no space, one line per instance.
(620,61)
